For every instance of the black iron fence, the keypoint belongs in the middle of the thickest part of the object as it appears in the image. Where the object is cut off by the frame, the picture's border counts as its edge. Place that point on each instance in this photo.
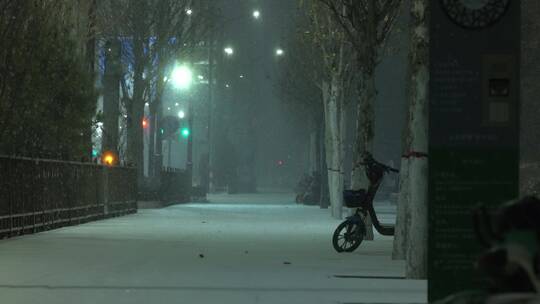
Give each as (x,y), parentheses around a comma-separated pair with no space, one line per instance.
(38,195)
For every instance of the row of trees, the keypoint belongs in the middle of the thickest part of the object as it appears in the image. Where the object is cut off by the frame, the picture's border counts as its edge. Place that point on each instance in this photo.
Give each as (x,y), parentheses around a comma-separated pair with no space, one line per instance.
(332,63)
(151,37)
(58,57)
(47,96)
(48,71)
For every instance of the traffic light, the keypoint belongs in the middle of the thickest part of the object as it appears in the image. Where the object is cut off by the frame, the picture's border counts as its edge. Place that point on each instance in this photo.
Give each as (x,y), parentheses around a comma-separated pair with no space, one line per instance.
(145,123)
(185,132)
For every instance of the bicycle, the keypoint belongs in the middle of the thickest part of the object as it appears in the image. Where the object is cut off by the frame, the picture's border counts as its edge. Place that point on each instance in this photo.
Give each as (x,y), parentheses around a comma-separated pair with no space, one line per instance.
(350,233)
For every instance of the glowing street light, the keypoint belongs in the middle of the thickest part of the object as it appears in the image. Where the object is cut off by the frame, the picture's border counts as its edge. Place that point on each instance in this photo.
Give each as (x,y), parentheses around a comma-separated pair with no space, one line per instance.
(256,14)
(108,158)
(280,52)
(182,77)
(181,114)
(229,51)
(189,12)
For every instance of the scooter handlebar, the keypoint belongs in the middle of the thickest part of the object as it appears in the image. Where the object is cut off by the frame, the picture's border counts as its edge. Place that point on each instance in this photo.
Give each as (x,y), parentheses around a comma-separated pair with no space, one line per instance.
(393,170)
(373,161)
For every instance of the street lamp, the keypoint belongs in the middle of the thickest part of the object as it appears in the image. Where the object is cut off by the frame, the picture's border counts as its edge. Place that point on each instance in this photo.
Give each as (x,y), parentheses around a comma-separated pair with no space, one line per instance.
(189,12)
(109,158)
(181,114)
(256,14)
(280,52)
(182,77)
(229,51)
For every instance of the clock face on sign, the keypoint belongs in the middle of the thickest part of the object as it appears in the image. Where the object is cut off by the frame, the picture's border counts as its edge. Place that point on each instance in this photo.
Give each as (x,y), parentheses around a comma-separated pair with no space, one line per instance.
(475,14)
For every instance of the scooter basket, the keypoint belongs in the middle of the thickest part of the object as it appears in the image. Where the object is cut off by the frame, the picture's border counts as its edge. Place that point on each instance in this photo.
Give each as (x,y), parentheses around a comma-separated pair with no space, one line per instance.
(354,199)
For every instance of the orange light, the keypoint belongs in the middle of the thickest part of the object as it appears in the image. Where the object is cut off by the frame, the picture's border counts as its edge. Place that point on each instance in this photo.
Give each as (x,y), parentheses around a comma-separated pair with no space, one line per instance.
(144,123)
(109,158)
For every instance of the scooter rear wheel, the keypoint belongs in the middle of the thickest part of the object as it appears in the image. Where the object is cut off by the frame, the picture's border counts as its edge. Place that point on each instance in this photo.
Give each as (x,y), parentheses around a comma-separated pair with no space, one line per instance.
(348,236)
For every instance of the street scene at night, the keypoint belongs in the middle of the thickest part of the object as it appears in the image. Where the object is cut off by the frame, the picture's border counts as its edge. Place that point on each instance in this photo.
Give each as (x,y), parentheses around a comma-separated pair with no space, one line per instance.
(269,151)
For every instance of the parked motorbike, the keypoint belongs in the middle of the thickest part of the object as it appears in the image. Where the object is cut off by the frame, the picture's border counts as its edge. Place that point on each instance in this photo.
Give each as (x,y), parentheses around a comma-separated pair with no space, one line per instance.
(308,189)
(349,234)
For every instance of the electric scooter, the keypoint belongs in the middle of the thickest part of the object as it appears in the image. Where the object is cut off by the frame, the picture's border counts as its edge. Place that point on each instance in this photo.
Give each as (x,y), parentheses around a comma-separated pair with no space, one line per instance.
(350,234)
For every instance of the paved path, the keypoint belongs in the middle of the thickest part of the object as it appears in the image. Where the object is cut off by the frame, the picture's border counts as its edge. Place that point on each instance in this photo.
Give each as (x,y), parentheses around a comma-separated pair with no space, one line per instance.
(236,249)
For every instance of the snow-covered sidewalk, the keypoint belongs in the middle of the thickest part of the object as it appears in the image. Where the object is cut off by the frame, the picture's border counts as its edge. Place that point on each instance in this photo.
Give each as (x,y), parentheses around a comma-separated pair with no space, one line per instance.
(235,249)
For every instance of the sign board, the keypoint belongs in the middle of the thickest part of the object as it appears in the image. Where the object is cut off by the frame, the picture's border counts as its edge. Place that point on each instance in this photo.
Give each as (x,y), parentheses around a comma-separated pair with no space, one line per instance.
(474,131)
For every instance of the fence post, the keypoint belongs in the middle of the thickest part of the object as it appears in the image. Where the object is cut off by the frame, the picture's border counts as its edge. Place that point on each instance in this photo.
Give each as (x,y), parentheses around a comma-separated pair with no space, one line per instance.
(105,189)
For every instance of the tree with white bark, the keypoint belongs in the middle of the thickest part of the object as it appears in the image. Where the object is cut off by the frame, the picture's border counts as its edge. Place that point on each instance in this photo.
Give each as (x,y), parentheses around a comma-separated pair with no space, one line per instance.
(335,82)
(159,32)
(411,238)
(367,25)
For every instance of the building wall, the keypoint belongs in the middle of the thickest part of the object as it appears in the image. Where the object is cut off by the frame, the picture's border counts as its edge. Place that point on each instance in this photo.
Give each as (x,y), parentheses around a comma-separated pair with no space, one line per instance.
(530,92)
(530,77)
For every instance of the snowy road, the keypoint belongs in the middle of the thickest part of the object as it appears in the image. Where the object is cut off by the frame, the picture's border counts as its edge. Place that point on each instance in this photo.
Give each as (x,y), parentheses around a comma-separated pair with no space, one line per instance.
(237,249)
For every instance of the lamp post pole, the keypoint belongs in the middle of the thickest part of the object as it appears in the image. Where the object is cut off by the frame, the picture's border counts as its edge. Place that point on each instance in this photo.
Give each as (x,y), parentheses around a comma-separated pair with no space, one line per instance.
(208,185)
(169,152)
(189,158)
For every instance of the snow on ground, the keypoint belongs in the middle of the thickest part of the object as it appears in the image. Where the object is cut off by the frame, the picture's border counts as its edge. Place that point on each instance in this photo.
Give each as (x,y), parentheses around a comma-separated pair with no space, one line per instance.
(235,249)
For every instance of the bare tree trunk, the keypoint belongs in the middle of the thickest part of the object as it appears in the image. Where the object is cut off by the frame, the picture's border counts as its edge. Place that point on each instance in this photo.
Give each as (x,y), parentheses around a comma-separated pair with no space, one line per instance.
(403,219)
(135,143)
(403,216)
(333,143)
(111,97)
(135,109)
(418,164)
(158,160)
(135,140)
(323,168)
(364,140)
(313,152)
(152,129)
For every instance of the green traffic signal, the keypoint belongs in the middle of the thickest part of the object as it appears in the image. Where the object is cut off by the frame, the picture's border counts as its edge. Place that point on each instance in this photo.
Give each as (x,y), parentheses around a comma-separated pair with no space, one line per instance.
(185,132)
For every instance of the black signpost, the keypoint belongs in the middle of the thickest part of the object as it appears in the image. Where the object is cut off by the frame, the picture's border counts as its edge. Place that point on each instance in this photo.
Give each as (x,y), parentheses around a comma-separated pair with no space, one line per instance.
(474,130)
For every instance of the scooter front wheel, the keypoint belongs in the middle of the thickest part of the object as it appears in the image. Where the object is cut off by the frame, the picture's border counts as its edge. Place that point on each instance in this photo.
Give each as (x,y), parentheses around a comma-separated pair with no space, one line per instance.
(348,236)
